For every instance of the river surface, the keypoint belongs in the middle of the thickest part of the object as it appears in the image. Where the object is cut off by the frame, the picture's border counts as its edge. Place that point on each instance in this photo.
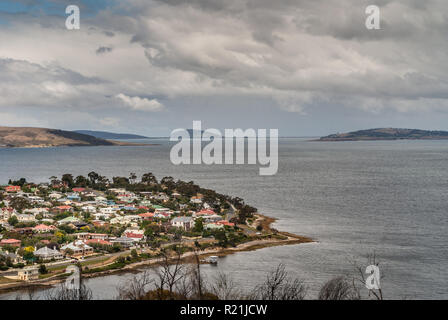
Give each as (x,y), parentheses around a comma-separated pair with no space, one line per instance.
(354,198)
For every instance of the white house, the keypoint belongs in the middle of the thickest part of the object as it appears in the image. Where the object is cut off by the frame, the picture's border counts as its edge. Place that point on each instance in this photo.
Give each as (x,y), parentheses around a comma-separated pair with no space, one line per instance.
(185,223)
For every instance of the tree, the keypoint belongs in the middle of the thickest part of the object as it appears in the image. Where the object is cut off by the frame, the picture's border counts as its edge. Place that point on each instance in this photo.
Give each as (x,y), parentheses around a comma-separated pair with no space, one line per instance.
(43,269)
(93,176)
(68,179)
(19,203)
(134,254)
(132,177)
(279,286)
(13,220)
(81,181)
(198,225)
(149,178)
(338,289)
(246,212)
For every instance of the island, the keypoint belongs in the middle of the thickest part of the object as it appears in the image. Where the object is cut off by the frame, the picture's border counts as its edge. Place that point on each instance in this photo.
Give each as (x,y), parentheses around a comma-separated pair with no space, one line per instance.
(111,135)
(111,225)
(28,137)
(387,134)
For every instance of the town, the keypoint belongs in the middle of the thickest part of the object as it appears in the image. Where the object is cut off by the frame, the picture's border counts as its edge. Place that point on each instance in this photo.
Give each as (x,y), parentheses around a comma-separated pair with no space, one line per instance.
(105,224)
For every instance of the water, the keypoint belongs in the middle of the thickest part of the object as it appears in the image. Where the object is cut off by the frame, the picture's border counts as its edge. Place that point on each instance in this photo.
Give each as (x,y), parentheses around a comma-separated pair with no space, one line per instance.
(387,197)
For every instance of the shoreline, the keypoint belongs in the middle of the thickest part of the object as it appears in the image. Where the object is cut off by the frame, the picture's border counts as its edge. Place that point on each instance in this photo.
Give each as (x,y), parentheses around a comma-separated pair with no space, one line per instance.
(265,221)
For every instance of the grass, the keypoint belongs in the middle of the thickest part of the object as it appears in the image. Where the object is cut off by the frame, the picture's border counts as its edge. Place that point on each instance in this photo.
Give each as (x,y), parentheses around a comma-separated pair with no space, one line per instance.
(6,280)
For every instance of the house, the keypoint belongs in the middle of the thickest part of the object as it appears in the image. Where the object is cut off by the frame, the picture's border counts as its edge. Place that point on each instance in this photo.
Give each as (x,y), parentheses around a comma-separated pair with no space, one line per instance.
(226,223)
(15,258)
(6,213)
(146,215)
(55,195)
(46,253)
(108,210)
(87,236)
(25,218)
(212,218)
(213,226)
(13,189)
(186,223)
(28,274)
(73,197)
(135,236)
(203,213)
(62,209)
(98,241)
(89,209)
(124,241)
(43,228)
(25,231)
(78,248)
(68,220)
(79,189)
(10,242)
(36,211)
(196,199)
(99,216)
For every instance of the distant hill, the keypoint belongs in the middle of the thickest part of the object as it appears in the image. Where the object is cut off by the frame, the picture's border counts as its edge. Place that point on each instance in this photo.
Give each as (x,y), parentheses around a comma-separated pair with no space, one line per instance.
(387,134)
(43,137)
(110,135)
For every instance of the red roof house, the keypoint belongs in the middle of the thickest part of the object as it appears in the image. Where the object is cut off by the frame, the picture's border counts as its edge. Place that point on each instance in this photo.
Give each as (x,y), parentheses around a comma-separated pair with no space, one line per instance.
(12,188)
(10,242)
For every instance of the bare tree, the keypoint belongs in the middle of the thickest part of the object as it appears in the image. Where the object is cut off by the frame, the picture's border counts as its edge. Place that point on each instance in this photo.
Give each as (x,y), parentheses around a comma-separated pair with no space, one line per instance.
(279,286)
(338,288)
(135,288)
(65,293)
(224,287)
(169,273)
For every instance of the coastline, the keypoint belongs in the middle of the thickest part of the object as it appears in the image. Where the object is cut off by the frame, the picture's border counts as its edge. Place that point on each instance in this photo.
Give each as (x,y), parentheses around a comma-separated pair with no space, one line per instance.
(188,257)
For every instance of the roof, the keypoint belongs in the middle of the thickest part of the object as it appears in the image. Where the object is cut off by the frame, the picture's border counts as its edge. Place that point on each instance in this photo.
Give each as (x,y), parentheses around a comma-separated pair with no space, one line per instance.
(44,227)
(76,246)
(205,212)
(45,251)
(182,219)
(134,235)
(68,220)
(98,241)
(9,241)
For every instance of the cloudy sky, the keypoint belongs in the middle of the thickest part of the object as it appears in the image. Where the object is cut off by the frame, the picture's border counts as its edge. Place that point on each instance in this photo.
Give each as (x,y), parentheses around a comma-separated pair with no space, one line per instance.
(306,67)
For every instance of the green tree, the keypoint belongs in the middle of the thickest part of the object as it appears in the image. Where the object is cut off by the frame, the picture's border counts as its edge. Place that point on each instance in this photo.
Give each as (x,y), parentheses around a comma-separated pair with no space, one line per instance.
(198,225)
(68,179)
(43,269)
(13,220)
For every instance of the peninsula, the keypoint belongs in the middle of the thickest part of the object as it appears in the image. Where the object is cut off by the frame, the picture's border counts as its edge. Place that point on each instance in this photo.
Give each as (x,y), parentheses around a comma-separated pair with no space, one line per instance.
(114,225)
(27,137)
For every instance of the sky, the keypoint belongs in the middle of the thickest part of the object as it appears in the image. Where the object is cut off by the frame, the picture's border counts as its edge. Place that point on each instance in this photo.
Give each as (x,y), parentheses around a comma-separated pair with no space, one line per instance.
(304,67)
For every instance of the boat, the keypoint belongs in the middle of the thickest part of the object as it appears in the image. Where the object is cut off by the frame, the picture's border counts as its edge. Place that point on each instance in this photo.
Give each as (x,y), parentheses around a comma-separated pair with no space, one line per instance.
(212,260)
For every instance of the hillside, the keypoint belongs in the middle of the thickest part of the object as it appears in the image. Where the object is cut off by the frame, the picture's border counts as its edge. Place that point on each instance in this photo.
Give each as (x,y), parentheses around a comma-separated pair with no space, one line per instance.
(43,137)
(110,135)
(387,134)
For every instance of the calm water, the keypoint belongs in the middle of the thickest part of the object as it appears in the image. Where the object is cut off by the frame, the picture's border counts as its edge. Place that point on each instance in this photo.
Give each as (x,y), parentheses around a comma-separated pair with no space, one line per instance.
(353,197)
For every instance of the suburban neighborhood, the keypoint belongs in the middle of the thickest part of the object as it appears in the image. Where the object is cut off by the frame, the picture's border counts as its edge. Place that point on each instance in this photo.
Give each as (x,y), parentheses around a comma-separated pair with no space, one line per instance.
(101,223)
